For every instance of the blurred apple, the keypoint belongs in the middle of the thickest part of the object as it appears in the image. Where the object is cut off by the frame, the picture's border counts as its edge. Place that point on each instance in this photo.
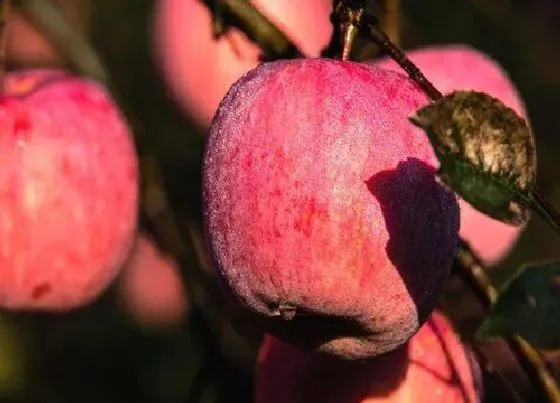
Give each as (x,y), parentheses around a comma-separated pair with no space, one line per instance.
(68,190)
(199,69)
(150,288)
(27,46)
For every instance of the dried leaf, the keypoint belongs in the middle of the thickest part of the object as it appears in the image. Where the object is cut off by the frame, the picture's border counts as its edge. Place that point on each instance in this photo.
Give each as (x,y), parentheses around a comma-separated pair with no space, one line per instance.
(529,305)
(486,152)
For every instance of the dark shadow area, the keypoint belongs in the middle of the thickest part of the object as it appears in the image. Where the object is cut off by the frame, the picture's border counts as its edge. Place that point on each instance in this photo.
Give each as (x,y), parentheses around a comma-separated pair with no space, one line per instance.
(422,219)
(315,332)
(354,382)
(324,329)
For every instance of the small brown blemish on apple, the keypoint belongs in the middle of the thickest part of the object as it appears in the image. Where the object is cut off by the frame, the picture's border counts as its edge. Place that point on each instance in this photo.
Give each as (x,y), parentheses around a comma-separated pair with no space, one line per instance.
(40,290)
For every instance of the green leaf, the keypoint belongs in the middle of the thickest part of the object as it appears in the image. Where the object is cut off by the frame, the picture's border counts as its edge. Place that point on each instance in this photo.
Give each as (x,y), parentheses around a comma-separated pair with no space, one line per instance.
(528,305)
(486,152)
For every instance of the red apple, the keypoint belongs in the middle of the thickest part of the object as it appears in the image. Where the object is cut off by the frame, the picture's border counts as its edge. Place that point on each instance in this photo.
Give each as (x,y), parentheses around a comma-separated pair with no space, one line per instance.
(322,207)
(461,67)
(27,45)
(199,69)
(68,190)
(150,288)
(433,367)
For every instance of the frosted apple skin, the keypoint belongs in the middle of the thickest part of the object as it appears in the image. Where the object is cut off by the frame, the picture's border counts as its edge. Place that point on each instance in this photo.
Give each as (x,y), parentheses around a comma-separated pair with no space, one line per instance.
(199,69)
(68,191)
(150,288)
(320,200)
(461,67)
(433,367)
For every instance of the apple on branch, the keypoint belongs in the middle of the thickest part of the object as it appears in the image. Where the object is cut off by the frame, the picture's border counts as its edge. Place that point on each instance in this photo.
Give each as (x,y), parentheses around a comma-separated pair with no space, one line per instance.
(322,208)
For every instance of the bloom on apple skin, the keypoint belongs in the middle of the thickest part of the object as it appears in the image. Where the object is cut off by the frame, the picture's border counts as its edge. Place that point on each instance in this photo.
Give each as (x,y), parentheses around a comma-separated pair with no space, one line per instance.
(321,205)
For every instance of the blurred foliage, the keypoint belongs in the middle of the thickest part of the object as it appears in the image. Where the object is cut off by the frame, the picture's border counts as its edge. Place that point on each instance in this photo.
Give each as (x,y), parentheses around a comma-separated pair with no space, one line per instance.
(528,305)
(97,354)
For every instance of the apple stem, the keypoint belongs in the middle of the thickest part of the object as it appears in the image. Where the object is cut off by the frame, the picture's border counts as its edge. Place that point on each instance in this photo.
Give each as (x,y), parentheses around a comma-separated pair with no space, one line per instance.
(469,267)
(349,33)
(354,19)
(4,13)
(347,23)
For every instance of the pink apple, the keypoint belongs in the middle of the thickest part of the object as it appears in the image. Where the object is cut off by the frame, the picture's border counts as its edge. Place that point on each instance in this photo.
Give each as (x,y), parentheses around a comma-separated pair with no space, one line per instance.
(460,67)
(322,208)
(150,288)
(68,190)
(199,69)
